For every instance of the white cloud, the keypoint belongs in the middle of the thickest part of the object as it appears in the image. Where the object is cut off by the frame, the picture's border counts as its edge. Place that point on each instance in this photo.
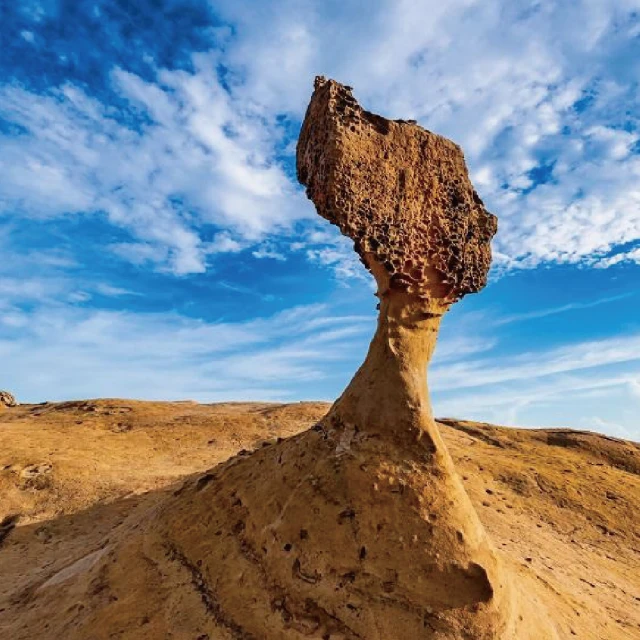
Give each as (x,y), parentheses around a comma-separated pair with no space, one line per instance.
(106,289)
(552,311)
(459,347)
(537,364)
(562,386)
(28,288)
(45,276)
(574,399)
(624,256)
(79,296)
(267,251)
(224,243)
(247,291)
(330,249)
(204,159)
(164,356)
(502,79)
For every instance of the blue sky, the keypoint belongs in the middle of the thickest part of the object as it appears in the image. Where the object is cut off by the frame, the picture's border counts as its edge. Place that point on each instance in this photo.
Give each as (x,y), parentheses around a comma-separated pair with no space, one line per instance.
(155,242)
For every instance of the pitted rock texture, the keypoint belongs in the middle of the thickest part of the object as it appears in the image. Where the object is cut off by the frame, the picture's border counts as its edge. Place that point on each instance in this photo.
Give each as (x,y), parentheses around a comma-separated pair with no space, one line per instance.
(56,544)
(402,194)
(7,399)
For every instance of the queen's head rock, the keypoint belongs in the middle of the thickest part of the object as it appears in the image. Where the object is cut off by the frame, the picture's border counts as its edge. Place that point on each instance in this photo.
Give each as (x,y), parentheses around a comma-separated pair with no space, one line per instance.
(403,195)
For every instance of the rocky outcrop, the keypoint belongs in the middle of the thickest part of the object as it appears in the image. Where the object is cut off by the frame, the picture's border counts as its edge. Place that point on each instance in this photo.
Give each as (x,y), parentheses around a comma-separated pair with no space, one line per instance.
(7,400)
(562,516)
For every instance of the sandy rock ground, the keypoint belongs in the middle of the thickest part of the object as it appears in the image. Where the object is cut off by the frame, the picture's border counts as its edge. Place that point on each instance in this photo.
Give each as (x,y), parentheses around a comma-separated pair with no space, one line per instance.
(562,505)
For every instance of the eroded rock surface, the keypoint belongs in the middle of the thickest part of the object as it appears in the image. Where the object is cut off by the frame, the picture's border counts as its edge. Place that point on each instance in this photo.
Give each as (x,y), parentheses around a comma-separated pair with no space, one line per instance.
(565,516)
(403,195)
(400,192)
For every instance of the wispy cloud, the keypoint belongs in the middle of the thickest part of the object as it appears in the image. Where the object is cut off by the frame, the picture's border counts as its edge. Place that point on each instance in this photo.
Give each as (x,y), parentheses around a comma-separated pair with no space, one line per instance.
(460,347)
(200,159)
(576,399)
(246,291)
(549,387)
(109,290)
(535,95)
(552,311)
(531,365)
(62,352)
(623,256)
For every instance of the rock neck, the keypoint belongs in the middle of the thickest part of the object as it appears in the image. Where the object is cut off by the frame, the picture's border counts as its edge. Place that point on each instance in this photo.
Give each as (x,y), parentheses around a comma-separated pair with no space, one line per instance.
(388,397)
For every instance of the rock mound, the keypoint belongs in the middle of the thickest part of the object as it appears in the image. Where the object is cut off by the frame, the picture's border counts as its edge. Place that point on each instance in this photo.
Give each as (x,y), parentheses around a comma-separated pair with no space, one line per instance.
(565,518)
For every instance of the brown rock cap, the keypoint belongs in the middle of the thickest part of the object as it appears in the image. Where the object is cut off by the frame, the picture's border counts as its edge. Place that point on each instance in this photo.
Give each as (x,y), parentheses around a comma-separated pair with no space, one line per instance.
(402,194)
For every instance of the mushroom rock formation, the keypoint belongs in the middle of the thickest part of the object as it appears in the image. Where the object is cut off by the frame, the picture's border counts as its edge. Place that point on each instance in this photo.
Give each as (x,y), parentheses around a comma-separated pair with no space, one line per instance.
(358,528)
(404,196)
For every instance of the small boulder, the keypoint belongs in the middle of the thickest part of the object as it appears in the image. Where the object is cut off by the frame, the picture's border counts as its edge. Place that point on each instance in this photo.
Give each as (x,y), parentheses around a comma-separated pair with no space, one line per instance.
(7,399)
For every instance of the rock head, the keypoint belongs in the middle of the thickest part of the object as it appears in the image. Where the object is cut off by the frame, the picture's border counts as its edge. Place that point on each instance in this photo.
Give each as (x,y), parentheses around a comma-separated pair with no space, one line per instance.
(401,193)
